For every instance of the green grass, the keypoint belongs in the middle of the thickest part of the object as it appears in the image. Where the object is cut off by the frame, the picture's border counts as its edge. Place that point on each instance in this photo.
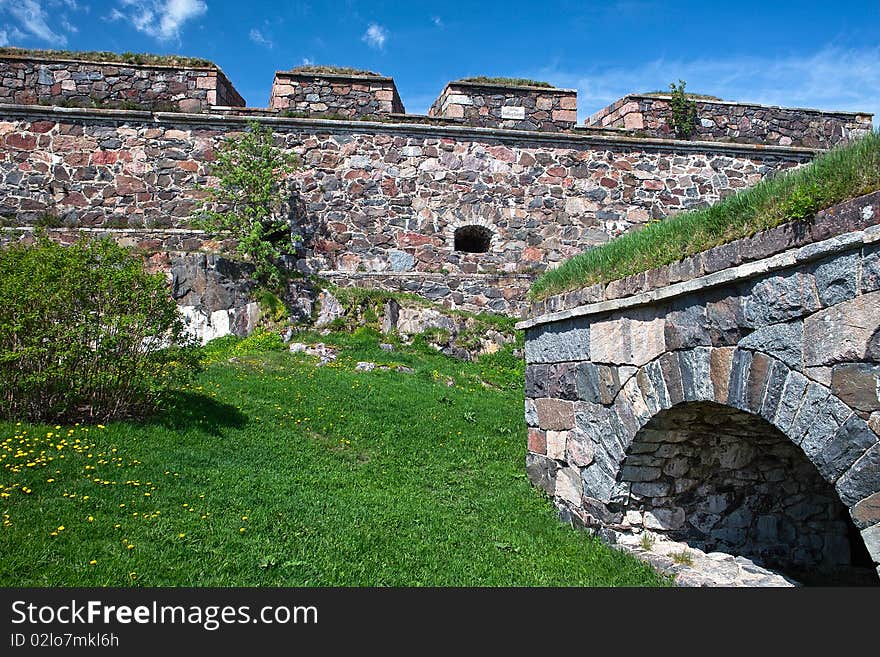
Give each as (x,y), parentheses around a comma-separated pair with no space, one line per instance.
(843,172)
(687,94)
(336,477)
(333,70)
(104,56)
(508,82)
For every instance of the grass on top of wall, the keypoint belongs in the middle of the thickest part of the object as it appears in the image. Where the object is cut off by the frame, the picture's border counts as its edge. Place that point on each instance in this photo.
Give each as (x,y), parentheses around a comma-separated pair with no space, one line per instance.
(332,70)
(842,173)
(105,56)
(508,82)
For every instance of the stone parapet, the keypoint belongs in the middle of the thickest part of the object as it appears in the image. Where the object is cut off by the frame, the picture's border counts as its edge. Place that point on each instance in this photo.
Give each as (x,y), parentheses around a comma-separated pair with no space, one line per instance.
(719,120)
(34,80)
(331,94)
(714,266)
(545,109)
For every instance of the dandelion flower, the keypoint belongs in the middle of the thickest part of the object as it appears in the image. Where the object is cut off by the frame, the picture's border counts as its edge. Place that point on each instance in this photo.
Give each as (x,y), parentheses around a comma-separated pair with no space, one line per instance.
(241,529)
(93,562)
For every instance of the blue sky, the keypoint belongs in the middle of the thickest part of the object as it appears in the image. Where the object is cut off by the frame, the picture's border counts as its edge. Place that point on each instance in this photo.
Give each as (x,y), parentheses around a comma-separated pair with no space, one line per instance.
(804,54)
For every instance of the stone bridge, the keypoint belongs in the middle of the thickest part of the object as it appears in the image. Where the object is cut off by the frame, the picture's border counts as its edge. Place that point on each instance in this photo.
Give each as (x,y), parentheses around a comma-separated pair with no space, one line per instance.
(730,400)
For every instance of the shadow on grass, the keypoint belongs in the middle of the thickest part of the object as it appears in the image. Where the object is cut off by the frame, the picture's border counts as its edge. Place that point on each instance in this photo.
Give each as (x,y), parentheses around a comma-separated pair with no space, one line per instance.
(186,410)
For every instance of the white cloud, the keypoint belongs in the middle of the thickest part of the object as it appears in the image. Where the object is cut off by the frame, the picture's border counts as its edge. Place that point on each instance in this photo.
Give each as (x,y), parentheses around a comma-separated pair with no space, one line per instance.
(375,36)
(438,22)
(260,39)
(33,18)
(307,62)
(4,38)
(831,78)
(160,19)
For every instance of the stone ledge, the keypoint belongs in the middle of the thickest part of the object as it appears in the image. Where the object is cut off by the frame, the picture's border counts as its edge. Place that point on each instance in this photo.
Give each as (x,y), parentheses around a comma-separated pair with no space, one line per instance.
(794,153)
(837,228)
(735,103)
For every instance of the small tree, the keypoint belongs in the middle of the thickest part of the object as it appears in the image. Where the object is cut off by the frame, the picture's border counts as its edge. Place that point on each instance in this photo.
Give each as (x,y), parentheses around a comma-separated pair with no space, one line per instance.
(684,110)
(251,203)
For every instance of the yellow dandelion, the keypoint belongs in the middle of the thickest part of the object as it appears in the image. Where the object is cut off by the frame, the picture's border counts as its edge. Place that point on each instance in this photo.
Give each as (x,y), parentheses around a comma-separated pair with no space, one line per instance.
(241,529)
(93,562)
(91,519)
(181,535)
(244,517)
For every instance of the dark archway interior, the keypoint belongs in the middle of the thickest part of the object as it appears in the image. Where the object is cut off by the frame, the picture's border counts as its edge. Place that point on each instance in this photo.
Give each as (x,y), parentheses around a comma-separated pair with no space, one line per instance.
(724,480)
(473,239)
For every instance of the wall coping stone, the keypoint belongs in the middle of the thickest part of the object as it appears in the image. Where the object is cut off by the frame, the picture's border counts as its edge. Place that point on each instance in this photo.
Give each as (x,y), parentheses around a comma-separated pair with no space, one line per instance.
(802,253)
(595,116)
(496,85)
(213,68)
(213,119)
(336,76)
(110,62)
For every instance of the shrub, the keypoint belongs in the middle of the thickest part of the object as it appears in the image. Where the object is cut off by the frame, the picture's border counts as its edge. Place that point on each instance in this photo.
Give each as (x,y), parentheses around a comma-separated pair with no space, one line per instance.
(684,110)
(85,333)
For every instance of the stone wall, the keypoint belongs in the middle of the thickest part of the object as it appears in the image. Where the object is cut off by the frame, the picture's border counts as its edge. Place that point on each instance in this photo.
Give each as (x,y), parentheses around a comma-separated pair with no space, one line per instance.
(325,94)
(510,107)
(32,81)
(371,197)
(650,115)
(633,401)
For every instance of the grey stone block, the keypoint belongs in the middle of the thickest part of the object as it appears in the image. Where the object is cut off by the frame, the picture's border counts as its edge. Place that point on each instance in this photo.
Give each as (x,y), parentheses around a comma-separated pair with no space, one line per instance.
(862,479)
(773,391)
(567,340)
(737,389)
(696,379)
(782,341)
(810,411)
(654,373)
(563,384)
(836,278)
(598,384)
(840,450)
(790,401)
(672,377)
(687,328)
(537,381)
(779,298)
(541,472)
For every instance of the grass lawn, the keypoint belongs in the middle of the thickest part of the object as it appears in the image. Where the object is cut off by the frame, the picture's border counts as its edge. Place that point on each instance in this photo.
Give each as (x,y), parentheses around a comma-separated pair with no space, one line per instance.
(842,173)
(269,470)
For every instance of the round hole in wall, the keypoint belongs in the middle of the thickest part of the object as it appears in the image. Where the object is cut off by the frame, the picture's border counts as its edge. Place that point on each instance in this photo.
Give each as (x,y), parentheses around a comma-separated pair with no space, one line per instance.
(473,239)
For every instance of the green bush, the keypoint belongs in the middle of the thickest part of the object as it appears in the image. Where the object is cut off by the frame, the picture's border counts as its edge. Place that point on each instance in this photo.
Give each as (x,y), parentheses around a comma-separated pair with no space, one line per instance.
(85,333)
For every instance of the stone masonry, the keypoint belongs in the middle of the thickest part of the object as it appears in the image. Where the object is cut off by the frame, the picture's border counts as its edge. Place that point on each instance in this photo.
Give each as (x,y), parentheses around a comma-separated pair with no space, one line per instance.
(376,198)
(30,80)
(350,96)
(488,105)
(718,120)
(731,402)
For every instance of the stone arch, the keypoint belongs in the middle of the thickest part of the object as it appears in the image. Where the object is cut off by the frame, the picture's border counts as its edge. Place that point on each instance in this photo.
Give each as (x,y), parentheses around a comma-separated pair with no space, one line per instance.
(829,434)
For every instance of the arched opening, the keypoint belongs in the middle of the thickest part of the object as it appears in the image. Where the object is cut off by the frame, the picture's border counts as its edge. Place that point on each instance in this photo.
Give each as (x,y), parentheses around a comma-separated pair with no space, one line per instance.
(473,239)
(724,480)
